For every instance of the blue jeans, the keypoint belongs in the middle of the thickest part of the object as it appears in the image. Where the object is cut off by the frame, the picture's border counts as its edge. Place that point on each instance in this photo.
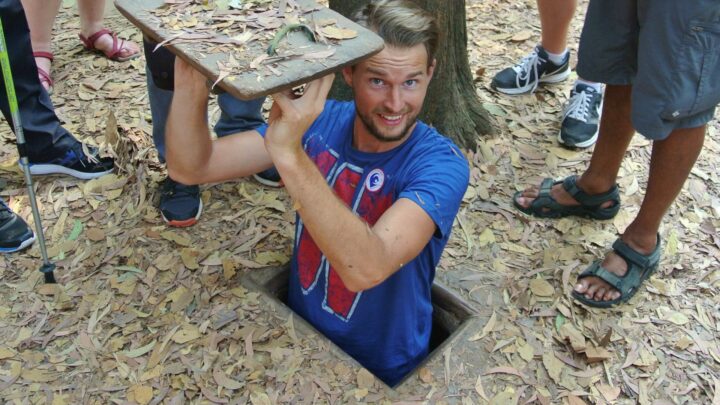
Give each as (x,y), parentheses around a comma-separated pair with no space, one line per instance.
(236,115)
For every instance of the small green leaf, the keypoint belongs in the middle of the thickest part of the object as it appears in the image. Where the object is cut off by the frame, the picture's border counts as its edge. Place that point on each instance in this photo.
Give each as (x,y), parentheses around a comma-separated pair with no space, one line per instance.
(559,322)
(77,229)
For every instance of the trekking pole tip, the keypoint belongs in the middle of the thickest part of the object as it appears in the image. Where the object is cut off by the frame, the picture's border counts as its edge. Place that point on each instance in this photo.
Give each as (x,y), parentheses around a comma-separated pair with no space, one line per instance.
(47,270)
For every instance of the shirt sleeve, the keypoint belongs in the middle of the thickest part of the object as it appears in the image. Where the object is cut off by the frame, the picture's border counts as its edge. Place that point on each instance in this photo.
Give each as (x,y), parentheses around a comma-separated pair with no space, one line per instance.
(438,183)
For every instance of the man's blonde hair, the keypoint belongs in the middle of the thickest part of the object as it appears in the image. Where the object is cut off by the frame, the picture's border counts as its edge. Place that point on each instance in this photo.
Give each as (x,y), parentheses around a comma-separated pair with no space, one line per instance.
(401,23)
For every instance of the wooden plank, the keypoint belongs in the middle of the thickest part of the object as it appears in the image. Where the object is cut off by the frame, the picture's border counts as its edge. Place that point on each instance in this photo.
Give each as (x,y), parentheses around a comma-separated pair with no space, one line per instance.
(231,45)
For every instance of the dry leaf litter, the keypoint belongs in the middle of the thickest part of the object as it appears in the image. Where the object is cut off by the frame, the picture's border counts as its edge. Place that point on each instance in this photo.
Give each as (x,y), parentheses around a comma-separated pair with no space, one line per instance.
(146,314)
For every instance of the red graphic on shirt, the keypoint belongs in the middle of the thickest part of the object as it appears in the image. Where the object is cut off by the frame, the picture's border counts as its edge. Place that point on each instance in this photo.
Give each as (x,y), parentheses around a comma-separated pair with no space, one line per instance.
(371,205)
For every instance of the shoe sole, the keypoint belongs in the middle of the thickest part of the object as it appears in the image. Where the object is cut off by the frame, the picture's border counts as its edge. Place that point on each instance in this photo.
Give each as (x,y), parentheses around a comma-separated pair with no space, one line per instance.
(584,144)
(513,91)
(269,183)
(185,222)
(23,245)
(41,169)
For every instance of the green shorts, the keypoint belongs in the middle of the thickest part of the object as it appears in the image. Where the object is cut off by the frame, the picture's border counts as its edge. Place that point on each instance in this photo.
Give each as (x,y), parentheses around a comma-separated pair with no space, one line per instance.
(668,50)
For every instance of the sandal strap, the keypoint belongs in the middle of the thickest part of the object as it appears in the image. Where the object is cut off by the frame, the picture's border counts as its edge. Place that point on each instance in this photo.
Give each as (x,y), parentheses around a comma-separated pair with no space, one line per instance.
(43,54)
(570,185)
(544,199)
(89,42)
(633,256)
(606,275)
(45,76)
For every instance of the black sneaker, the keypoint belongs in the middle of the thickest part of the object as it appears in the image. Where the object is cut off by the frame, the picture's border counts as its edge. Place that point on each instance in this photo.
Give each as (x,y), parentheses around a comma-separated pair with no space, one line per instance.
(532,70)
(269,177)
(15,234)
(180,205)
(581,118)
(75,162)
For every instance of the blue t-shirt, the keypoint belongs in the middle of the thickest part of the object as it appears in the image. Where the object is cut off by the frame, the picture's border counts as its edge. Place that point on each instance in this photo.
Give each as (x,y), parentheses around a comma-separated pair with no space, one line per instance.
(386,328)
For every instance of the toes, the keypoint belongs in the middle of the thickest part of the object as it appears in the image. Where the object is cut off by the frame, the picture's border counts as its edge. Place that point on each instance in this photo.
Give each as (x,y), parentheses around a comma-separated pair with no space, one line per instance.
(600,293)
(581,286)
(590,293)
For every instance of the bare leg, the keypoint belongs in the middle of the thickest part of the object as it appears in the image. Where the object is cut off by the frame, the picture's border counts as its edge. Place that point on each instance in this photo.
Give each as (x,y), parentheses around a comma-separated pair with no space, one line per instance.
(616,132)
(41,17)
(670,165)
(91,21)
(555,18)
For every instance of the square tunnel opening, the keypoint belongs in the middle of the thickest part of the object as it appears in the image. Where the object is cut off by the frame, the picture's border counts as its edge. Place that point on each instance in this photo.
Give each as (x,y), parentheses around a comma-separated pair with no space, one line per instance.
(451,313)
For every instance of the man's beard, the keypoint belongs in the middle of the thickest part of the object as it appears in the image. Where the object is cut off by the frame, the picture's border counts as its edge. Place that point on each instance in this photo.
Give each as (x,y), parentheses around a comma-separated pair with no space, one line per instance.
(377,134)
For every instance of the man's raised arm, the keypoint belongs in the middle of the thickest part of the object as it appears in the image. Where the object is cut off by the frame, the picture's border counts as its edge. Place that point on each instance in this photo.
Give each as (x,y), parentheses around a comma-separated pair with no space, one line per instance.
(192,156)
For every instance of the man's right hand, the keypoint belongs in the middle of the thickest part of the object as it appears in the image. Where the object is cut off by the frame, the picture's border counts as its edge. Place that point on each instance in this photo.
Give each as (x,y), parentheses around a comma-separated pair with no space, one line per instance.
(291,116)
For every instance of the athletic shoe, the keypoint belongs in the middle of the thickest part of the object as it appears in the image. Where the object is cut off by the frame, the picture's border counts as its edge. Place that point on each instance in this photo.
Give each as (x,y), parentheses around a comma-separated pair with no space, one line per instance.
(15,234)
(581,118)
(75,162)
(532,70)
(269,177)
(180,205)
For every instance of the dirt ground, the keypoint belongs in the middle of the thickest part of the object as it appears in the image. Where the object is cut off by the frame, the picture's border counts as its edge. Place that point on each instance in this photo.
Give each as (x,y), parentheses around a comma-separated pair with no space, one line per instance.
(149,314)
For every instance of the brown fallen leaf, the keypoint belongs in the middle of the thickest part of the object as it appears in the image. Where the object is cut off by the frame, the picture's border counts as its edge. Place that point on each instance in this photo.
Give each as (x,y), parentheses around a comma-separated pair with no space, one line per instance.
(507,370)
(224,381)
(365,379)
(608,392)
(596,354)
(334,32)
(95,234)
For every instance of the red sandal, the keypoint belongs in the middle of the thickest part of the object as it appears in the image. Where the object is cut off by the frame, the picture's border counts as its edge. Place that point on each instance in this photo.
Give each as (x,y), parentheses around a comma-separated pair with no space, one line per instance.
(44,75)
(117,47)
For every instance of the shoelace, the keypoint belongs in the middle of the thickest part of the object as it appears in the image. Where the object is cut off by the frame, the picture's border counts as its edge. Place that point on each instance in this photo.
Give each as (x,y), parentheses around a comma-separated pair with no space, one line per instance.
(579,105)
(526,67)
(85,154)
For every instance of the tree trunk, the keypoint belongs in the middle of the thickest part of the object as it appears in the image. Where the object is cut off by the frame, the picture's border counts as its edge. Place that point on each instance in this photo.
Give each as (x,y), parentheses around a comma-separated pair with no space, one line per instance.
(451,104)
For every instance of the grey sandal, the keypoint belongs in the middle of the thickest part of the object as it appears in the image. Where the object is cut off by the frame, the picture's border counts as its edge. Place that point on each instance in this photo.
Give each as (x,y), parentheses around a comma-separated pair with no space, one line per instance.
(640,268)
(545,206)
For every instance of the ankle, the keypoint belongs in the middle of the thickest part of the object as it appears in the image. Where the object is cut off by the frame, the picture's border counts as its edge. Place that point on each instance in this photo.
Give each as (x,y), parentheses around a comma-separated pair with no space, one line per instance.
(594,185)
(642,240)
(90,30)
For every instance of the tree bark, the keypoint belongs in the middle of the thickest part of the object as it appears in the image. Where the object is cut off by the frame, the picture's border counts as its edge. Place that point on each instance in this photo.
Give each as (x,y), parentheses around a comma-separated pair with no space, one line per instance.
(451,105)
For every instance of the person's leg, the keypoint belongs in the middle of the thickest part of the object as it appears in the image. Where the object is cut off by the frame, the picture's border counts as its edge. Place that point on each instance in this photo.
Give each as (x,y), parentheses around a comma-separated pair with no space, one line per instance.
(616,132)
(549,62)
(238,115)
(180,205)
(43,132)
(160,100)
(555,18)
(670,165)
(40,18)
(581,115)
(50,147)
(91,21)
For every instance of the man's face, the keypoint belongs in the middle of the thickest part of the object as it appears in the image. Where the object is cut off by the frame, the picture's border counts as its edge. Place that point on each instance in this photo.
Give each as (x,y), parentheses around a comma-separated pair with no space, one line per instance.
(389,91)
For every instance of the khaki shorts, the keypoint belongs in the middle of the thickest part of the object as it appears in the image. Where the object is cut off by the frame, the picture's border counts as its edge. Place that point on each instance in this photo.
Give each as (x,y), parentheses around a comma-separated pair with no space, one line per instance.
(668,50)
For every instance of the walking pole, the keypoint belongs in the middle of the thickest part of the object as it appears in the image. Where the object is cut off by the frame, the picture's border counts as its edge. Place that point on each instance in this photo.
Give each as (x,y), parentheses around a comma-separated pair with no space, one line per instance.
(47,267)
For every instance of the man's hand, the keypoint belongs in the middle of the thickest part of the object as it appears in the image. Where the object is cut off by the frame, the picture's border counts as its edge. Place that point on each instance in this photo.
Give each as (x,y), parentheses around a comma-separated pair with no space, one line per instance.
(291,116)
